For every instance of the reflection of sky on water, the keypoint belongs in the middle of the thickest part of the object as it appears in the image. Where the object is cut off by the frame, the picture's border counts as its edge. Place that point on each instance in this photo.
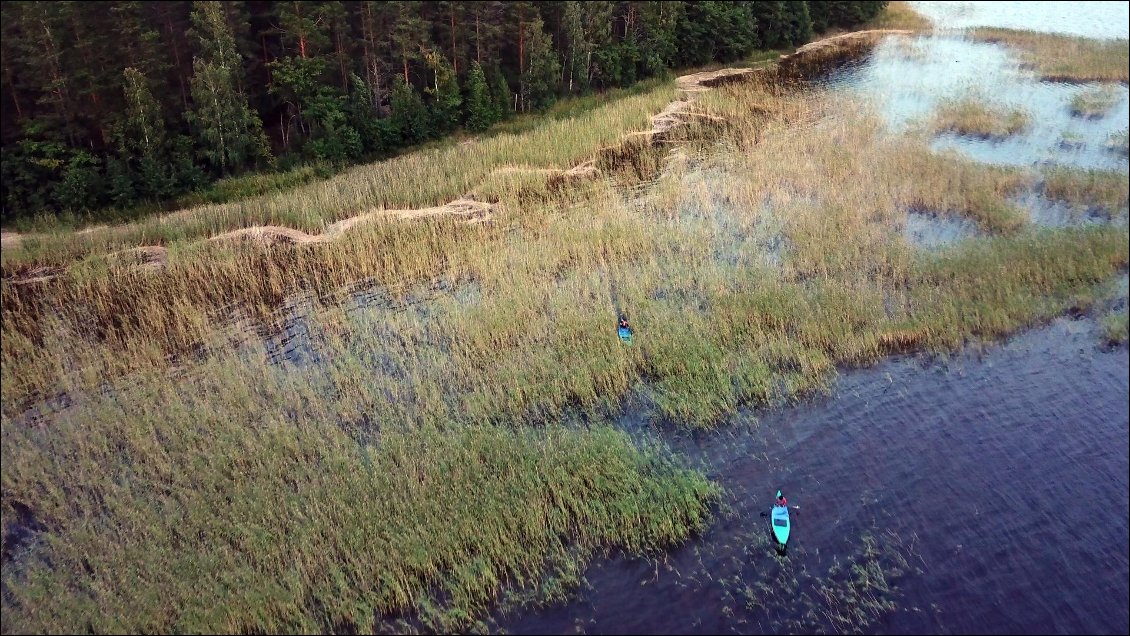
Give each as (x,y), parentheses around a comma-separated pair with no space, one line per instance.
(1105,20)
(907,78)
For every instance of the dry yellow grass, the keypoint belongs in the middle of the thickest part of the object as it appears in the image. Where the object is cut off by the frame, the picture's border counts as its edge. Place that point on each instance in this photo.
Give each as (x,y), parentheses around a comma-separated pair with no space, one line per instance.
(974,117)
(1066,58)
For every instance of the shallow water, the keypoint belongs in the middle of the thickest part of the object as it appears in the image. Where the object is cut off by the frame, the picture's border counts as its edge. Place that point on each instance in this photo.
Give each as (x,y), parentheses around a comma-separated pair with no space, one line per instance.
(907,78)
(1104,20)
(934,231)
(1001,477)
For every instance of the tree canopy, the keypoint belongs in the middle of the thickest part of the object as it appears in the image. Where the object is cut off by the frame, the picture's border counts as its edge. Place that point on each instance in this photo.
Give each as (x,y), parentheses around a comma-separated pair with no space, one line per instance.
(118,104)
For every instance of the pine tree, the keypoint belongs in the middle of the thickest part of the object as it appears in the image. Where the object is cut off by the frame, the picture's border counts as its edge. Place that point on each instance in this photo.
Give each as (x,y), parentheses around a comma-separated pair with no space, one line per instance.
(409,35)
(480,112)
(657,24)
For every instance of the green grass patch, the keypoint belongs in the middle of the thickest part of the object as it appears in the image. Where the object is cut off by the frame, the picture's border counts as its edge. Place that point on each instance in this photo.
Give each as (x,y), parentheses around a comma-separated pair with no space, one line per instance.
(1106,190)
(1115,327)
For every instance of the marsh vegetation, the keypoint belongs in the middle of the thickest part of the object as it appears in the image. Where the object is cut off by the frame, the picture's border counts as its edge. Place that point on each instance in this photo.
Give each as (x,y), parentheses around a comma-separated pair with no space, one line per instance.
(974,117)
(1065,58)
(446,441)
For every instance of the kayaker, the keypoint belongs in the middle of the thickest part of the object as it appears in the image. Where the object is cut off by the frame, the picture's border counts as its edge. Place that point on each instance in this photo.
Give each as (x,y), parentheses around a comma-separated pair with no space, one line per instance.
(781,501)
(624,323)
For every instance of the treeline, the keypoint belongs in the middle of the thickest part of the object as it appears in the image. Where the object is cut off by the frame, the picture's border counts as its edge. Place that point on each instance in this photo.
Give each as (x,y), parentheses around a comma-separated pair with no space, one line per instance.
(110,105)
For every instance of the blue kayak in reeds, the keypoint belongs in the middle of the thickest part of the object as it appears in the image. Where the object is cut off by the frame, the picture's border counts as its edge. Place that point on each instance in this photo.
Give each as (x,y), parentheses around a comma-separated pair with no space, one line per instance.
(780,521)
(625,334)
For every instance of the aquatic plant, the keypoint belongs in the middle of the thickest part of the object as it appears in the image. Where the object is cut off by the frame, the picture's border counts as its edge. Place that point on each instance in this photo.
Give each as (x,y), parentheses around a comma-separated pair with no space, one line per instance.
(1065,58)
(1106,191)
(973,117)
(1116,326)
(1093,103)
(1119,142)
(1071,141)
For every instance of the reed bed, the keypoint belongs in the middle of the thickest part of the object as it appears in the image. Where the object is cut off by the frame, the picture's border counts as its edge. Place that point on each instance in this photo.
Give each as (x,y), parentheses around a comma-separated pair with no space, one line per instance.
(1063,58)
(1119,142)
(1106,192)
(973,117)
(406,457)
(240,505)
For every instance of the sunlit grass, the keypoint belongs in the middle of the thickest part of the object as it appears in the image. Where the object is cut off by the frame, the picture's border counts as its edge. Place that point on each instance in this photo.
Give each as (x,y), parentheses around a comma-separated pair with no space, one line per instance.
(1066,58)
(1106,190)
(241,505)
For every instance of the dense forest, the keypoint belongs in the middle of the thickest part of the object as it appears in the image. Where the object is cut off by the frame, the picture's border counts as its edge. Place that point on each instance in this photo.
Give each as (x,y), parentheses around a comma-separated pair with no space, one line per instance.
(118,106)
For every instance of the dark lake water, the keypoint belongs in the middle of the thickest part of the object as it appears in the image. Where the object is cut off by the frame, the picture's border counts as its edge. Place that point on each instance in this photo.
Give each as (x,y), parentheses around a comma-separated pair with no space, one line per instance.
(994,484)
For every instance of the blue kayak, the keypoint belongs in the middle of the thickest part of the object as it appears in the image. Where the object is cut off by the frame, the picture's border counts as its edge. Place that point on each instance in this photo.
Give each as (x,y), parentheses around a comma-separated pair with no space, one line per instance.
(780,521)
(625,334)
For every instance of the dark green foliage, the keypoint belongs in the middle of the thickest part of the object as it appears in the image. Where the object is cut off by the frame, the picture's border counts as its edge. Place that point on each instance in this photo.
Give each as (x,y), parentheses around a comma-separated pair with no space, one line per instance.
(715,31)
(480,112)
(844,14)
(444,98)
(782,24)
(333,139)
(410,118)
(81,184)
(500,96)
(212,88)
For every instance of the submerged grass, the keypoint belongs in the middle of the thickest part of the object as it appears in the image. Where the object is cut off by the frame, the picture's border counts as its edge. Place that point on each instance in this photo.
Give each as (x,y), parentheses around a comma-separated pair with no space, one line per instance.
(973,117)
(1066,58)
(1106,191)
(1119,141)
(1093,103)
(405,459)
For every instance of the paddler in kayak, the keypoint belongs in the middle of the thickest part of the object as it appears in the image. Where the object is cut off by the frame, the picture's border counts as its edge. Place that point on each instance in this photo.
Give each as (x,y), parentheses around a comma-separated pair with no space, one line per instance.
(781,501)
